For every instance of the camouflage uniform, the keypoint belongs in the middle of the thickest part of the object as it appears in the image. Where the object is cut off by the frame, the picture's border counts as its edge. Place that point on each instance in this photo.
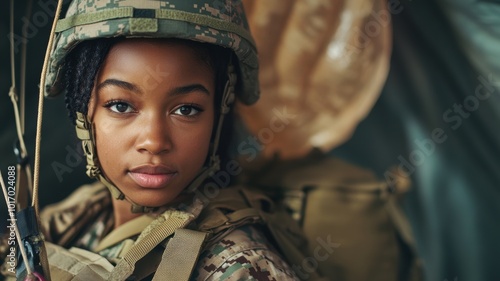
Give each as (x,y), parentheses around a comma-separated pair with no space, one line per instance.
(244,254)
(85,218)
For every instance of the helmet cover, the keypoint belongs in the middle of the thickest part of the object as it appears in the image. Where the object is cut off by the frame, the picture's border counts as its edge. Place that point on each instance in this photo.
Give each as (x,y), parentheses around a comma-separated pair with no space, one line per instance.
(220,22)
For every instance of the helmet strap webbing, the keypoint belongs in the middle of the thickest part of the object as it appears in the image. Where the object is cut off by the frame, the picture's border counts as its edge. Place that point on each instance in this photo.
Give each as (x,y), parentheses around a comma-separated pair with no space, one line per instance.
(214,159)
(85,132)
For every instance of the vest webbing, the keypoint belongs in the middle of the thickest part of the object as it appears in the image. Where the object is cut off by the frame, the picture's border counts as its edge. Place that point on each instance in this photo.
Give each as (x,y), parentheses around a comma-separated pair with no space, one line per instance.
(180,256)
(126,266)
(124,231)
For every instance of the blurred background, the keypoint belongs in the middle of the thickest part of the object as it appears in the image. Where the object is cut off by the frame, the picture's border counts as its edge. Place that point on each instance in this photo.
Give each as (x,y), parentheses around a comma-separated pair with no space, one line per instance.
(424,95)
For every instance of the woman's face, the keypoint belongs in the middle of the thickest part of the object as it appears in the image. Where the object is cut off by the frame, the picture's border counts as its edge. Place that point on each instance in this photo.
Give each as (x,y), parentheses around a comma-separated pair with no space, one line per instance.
(152,106)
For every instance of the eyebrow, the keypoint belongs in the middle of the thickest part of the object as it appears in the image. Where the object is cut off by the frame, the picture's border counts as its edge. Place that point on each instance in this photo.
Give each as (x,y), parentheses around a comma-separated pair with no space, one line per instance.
(133,88)
(118,83)
(188,89)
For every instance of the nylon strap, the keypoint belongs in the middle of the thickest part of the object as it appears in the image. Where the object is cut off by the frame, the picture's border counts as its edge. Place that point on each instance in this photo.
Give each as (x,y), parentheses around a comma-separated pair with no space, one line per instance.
(180,256)
(85,133)
(89,18)
(206,21)
(124,231)
(242,214)
(204,174)
(214,160)
(128,12)
(227,100)
(126,266)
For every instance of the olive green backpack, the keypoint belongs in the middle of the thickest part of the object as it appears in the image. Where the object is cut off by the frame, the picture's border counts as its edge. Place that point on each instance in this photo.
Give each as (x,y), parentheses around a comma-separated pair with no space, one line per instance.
(350,225)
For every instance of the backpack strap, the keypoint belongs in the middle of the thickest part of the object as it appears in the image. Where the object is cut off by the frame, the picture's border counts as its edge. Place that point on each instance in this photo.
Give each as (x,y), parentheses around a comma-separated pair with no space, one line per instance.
(284,230)
(127,230)
(125,267)
(180,256)
(238,206)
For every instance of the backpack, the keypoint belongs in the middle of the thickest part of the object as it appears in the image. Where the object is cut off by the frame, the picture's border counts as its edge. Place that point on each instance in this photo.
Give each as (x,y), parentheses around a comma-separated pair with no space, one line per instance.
(348,224)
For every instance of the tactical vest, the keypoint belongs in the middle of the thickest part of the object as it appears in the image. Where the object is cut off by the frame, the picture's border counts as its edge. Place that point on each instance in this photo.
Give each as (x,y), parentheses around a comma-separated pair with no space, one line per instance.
(330,221)
(168,250)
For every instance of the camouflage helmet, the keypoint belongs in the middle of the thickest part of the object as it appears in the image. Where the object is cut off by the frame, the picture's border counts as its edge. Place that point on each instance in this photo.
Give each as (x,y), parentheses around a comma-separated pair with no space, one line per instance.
(220,22)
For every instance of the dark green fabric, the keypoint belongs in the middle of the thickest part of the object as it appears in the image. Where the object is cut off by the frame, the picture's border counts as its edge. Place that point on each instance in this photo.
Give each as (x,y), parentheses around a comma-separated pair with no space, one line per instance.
(454,205)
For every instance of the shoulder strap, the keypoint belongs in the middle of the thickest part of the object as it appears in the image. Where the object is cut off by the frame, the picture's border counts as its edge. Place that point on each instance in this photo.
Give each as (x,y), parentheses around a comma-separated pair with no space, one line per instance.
(126,265)
(180,256)
(124,231)
(237,206)
(230,208)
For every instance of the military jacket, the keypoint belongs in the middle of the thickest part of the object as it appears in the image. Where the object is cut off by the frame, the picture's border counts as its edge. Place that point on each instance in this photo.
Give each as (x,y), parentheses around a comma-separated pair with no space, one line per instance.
(85,220)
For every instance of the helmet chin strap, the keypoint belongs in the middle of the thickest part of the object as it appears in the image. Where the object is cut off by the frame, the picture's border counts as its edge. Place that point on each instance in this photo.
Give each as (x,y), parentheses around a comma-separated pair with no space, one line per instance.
(85,132)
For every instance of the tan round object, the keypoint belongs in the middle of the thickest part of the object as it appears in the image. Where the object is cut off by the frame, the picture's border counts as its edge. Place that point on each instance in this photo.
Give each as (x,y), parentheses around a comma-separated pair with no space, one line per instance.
(323,65)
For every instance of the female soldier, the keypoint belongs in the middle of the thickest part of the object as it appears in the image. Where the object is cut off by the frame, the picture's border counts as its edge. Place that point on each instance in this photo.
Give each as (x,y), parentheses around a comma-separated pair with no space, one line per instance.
(148,85)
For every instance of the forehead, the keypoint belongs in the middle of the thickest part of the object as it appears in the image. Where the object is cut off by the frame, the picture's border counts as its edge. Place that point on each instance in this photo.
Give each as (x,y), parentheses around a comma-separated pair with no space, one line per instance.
(161,49)
(143,53)
(156,62)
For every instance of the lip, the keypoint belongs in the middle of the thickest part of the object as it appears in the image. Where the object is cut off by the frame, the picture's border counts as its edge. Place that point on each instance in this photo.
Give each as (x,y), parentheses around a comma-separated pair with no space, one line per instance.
(152,176)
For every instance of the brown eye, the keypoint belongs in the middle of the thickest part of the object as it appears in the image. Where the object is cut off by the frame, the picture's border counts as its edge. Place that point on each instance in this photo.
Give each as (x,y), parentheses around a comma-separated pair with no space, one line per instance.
(187,110)
(119,107)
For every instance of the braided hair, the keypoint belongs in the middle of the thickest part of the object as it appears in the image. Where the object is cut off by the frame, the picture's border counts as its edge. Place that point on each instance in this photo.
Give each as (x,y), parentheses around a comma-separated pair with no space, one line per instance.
(80,69)
(83,62)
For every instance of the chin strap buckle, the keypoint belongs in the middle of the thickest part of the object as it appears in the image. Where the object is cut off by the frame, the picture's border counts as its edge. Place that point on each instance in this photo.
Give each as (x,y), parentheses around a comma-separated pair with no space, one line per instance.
(137,209)
(85,133)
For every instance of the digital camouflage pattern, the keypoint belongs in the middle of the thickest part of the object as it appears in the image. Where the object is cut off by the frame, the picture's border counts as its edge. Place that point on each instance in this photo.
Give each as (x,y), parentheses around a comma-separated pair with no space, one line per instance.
(221,22)
(83,220)
(242,255)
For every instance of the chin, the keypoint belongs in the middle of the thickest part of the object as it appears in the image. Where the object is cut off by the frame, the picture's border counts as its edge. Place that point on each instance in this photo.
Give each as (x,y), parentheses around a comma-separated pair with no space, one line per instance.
(153,200)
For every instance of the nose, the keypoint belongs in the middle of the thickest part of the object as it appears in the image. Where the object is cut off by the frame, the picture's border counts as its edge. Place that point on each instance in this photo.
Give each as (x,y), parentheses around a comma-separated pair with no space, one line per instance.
(154,135)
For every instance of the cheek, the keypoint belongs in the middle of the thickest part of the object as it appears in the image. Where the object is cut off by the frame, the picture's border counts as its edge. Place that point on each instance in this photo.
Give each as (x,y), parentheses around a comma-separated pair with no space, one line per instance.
(111,143)
(195,143)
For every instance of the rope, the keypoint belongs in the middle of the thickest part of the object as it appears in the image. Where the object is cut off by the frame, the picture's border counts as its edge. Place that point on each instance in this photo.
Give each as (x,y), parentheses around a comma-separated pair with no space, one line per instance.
(19,121)
(12,57)
(23,67)
(34,203)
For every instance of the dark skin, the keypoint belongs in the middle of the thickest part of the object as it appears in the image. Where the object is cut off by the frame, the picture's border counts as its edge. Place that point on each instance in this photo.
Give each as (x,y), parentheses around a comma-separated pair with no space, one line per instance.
(153,110)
